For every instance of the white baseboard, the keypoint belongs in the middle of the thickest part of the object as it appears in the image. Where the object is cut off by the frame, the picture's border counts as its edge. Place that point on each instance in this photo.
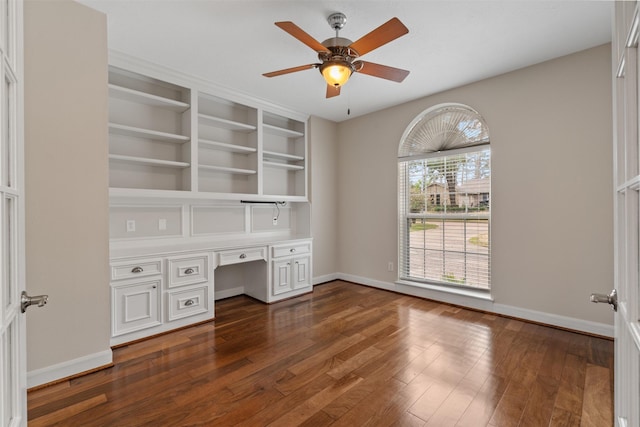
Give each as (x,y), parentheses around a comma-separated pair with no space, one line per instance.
(71,367)
(325,278)
(484,303)
(556,320)
(228,293)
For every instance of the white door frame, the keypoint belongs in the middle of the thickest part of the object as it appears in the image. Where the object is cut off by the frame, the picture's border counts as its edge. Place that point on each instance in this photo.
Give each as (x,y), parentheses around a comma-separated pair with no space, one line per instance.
(13,396)
(626,69)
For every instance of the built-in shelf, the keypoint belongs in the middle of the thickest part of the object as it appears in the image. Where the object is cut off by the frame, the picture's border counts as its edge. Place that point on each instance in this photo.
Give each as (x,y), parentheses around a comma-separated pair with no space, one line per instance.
(283,156)
(147,133)
(277,130)
(224,123)
(132,95)
(226,147)
(225,169)
(217,145)
(287,166)
(148,161)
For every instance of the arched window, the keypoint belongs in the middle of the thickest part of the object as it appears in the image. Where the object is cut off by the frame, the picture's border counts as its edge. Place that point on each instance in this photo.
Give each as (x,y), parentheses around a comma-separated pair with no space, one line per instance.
(444,164)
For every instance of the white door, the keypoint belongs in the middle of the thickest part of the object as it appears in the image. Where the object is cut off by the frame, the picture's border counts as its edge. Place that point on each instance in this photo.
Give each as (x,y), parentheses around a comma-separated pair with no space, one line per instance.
(281,276)
(12,329)
(301,273)
(626,214)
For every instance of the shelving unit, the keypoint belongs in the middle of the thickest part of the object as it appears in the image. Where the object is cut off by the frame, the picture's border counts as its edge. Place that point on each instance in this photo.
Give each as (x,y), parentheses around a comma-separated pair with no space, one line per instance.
(149,133)
(172,134)
(201,179)
(227,146)
(283,156)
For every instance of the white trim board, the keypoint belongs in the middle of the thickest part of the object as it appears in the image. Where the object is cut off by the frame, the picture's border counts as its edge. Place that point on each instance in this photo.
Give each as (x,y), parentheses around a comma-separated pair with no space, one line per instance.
(326,278)
(483,304)
(228,293)
(69,368)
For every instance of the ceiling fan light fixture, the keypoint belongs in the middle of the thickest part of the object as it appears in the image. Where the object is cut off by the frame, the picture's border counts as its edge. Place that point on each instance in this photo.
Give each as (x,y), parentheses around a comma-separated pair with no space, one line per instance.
(336,73)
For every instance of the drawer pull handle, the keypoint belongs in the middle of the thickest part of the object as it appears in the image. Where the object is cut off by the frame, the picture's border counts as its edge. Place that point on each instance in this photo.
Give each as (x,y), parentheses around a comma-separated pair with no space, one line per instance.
(189,271)
(243,256)
(292,250)
(137,270)
(189,303)
(153,287)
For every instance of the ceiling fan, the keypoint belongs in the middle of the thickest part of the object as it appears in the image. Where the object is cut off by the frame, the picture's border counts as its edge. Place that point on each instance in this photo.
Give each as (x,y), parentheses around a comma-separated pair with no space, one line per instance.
(340,56)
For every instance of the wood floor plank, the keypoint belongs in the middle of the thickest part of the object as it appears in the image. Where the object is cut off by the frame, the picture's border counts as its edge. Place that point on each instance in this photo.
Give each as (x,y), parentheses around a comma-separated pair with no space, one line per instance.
(571,388)
(596,408)
(348,355)
(67,412)
(300,413)
(484,403)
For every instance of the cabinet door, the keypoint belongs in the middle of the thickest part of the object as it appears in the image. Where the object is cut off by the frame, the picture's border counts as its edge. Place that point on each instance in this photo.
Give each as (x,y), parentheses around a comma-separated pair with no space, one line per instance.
(281,276)
(301,276)
(136,306)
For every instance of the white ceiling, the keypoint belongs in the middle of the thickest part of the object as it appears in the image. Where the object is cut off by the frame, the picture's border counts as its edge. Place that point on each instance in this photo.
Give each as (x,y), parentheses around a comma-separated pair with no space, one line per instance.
(450,43)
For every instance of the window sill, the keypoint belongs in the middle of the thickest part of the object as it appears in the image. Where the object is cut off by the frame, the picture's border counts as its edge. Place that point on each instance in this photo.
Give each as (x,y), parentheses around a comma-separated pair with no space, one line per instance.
(480,294)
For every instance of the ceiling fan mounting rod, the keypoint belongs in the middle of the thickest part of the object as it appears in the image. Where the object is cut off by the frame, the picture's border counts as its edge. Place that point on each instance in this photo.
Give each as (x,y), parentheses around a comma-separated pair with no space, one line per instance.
(337,21)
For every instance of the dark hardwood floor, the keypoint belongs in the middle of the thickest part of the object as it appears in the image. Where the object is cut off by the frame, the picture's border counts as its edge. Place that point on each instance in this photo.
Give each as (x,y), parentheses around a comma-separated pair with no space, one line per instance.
(345,355)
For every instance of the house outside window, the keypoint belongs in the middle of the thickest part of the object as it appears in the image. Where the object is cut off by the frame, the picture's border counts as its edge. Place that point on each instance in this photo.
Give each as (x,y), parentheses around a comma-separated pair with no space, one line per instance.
(444,164)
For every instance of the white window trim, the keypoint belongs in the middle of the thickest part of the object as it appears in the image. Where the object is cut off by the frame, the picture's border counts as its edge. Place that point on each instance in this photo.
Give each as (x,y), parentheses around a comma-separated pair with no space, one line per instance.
(404,215)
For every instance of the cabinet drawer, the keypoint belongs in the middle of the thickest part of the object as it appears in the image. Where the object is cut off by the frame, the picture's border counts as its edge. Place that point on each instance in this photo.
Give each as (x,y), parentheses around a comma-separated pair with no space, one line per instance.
(135,306)
(188,302)
(241,255)
(291,249)
(136,268)
(189,270)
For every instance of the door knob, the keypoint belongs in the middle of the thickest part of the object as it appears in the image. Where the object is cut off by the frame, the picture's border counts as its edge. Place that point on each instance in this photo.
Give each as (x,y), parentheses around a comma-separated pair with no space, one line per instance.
(26,301)
(611,299)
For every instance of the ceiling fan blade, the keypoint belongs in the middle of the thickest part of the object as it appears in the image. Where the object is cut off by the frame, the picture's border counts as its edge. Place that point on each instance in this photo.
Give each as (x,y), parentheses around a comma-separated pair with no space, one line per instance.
(299,33)
(332,91)
(389,31)
(290,70)
(383,71)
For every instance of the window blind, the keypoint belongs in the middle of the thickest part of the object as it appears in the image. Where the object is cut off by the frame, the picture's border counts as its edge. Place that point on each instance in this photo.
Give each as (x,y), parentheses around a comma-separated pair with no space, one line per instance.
(444,212)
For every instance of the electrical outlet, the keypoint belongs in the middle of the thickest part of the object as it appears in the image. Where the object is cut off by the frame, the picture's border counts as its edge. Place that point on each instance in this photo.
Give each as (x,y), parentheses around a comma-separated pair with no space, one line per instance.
(131,225)
(390,266)
(275,221)
(162,224)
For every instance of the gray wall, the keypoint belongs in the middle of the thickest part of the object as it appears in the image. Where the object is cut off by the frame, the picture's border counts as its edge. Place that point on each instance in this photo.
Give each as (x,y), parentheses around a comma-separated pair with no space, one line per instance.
(323,194)
(67,239)
(552,222)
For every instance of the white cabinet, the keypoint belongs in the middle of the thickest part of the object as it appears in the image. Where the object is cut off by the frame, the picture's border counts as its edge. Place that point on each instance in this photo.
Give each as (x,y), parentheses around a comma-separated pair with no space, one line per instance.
(290,274)
(136,305)
(190,275)
(146,301)
(291,269)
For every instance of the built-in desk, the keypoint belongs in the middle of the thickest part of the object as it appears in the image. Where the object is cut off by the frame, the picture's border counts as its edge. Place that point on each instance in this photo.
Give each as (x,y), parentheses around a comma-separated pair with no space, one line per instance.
(157,288)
